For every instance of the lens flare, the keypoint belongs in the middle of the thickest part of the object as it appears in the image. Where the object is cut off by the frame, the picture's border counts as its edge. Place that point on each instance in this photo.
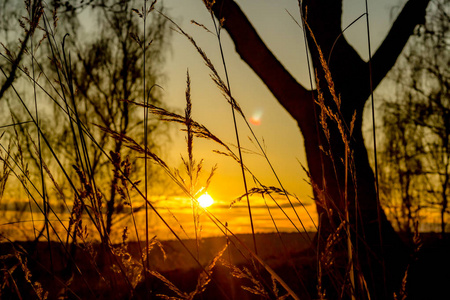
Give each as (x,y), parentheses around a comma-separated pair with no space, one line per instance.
(255,119)
(205,200)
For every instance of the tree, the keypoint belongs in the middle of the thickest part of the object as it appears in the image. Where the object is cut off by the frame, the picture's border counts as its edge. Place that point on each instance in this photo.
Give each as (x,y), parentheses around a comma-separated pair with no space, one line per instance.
(7,18)
(417,120)
(110,70)
(401,182)
(376,247)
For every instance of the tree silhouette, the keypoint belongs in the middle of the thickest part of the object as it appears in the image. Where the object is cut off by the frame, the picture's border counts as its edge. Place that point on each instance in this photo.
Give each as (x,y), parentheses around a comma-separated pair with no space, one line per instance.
(416,121)
(110,70)
(401,185)
(377,249)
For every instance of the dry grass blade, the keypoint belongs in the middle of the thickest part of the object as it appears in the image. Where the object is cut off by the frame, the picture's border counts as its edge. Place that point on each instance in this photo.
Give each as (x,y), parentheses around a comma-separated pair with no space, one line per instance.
(256,288)
(211,174)
(198,130)
(178,222)
(49,173)
(203,280)
(214,74)
(5,170)
(36,286)
(133,145)
(170,285)
(202,26)
(155,242)
(133,267)
(205,277)
(263,190)
(188,122)
(328,78)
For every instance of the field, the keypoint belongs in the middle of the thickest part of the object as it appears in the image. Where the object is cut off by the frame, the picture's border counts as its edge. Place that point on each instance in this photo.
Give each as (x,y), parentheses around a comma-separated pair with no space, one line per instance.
(427,278)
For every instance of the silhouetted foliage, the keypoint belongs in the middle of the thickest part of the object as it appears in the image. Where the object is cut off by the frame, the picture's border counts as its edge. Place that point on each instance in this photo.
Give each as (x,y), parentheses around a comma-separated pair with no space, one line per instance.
(110,69)
(416,125)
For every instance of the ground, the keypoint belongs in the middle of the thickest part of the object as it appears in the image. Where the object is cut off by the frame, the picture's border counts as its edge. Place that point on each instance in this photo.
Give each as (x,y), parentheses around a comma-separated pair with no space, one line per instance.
(427,275)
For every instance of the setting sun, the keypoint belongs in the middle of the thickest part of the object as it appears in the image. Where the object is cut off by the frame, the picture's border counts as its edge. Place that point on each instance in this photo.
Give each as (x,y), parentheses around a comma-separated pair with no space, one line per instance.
(205,200)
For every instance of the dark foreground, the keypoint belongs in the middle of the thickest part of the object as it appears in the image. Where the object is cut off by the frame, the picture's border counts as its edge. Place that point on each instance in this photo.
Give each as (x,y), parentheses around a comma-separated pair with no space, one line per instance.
(28,271)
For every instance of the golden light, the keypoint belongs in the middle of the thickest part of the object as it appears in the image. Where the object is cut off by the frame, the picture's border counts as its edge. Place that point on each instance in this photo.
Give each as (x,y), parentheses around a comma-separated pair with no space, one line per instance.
(205,200)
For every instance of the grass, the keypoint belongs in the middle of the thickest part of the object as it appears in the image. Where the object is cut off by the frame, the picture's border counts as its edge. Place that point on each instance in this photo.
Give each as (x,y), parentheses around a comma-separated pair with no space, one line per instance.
(77,258)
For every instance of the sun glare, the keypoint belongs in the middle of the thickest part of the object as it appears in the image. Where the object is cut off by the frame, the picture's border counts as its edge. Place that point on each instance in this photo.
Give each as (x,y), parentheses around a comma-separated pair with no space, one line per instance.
(205,200)
(255,119)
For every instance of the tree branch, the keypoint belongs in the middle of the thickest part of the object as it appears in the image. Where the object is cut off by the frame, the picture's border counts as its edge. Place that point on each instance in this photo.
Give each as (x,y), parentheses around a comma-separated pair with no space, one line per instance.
(15,65)
(412,14)
(256,54)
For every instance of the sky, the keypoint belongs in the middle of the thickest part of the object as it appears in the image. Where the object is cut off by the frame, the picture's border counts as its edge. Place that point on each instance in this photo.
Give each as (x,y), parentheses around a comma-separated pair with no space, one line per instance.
(275,129)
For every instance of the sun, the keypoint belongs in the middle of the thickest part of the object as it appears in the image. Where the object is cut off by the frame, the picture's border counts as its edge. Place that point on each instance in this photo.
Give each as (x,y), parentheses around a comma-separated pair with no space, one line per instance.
(205,200)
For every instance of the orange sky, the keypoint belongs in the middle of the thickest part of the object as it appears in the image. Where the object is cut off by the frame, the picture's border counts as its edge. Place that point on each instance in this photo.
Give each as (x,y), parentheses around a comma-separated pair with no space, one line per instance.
(274,127)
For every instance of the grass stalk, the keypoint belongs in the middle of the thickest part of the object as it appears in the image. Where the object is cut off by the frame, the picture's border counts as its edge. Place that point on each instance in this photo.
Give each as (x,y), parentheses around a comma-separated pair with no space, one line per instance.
(146,99)
(377,193)
(236,131)
(34,15)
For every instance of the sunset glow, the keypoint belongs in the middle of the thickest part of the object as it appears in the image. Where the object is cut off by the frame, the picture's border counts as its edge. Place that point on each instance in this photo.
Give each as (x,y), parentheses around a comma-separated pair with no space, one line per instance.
(205,200)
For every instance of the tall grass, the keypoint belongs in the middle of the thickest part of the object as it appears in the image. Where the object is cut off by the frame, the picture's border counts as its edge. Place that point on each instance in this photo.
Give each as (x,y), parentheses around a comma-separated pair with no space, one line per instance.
(84,267)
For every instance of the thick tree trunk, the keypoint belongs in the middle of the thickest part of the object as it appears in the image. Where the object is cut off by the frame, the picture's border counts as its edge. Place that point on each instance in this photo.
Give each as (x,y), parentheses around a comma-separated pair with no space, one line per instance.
(343,180)
(346,192)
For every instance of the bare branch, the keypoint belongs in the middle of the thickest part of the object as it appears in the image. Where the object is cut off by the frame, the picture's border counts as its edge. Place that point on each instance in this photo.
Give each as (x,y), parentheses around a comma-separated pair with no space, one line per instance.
(412,14)
(256,54)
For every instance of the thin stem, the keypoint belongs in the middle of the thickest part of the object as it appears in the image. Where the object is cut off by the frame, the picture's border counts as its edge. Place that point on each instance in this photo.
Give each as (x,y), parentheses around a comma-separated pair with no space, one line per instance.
(236,133)
(347,225)
(375,148)
(46,204)
(145,136)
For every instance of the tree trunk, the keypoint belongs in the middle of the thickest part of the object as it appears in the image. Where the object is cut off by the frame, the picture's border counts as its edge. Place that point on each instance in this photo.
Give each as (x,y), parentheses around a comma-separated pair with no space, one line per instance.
(375,249)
